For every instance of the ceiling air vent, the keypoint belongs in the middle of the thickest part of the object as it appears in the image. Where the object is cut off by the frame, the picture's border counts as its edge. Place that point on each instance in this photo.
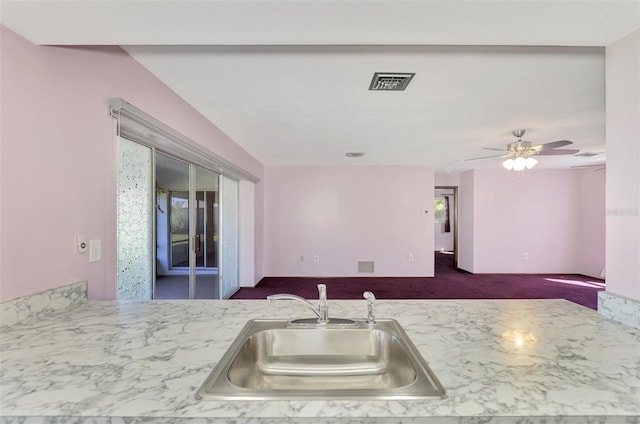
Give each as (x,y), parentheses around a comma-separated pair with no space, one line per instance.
(354,154)
(390,81)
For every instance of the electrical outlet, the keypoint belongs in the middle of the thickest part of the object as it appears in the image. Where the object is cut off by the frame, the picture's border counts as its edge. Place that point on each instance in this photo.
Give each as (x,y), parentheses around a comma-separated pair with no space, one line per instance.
(316,258)
(526,256)
(301,258)
(410,257)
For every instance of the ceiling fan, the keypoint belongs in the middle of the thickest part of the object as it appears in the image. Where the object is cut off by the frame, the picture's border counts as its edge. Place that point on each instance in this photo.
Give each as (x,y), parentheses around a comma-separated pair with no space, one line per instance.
(520,153)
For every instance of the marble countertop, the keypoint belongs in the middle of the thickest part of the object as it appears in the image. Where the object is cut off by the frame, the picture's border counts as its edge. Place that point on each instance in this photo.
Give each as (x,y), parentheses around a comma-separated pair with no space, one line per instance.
(102,361)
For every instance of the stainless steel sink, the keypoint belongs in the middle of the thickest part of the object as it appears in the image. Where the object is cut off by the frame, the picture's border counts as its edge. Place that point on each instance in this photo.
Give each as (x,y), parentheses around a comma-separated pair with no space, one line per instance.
(275,359)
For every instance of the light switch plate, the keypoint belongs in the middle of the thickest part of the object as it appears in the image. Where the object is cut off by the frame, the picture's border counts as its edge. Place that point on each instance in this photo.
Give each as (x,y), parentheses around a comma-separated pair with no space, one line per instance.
(95,250)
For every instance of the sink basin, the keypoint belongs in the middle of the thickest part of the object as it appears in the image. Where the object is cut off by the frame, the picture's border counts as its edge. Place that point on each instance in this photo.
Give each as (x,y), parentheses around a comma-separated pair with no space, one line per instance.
(275,359)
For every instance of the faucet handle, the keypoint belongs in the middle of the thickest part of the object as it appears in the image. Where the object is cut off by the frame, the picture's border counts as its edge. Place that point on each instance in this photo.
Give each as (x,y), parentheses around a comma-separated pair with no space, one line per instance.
(322,292)
(371,320)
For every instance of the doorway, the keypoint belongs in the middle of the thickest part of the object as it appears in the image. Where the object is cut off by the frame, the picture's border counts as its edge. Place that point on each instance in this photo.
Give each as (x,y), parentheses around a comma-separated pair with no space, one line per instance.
(187,230)
(445,222)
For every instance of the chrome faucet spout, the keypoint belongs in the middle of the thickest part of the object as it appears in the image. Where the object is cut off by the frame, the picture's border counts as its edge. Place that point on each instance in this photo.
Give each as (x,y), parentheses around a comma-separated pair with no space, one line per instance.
(371,319)
(323,305)
(322,309)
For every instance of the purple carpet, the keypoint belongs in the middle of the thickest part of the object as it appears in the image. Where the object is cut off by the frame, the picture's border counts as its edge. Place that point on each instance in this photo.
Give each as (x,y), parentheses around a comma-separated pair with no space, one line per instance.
(448,283)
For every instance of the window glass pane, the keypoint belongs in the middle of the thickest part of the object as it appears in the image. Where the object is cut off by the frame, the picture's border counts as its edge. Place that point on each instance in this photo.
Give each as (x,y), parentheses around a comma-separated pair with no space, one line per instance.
(438,210)
(179,228)
(135,221)
(207,216)
(229,230)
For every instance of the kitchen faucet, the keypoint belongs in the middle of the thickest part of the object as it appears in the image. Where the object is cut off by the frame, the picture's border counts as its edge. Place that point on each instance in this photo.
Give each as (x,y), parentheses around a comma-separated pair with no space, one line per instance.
(322,310)
(371,319)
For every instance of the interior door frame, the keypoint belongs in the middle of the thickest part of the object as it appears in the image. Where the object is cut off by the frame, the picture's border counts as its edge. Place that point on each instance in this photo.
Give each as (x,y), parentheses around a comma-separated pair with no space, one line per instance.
(193,225)
(455,219)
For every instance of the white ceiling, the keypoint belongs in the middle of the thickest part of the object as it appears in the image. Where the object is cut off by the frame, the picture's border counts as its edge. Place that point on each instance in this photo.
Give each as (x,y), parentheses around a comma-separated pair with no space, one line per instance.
(288,80)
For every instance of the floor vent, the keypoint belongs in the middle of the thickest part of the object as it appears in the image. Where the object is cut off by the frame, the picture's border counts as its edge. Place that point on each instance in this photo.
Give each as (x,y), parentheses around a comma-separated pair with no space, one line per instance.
(365,266)
(387,81)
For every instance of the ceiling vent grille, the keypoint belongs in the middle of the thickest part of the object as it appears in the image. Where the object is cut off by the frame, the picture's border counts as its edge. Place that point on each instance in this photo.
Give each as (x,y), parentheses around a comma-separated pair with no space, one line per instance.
(388,81)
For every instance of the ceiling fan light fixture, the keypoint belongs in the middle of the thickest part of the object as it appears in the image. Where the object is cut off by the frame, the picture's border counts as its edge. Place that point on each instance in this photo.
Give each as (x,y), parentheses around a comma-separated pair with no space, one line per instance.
(508,164)
(530,162)
(522,155)
(519,163)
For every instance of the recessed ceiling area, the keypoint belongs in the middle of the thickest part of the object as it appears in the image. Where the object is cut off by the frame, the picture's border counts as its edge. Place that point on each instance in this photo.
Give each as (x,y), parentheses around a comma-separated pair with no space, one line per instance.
(293,105)
(289,81)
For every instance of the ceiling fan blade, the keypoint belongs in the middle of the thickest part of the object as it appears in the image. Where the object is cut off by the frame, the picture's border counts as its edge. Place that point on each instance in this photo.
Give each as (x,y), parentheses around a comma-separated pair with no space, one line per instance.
(493,148)
(551,145)
(487,157)
(558,152)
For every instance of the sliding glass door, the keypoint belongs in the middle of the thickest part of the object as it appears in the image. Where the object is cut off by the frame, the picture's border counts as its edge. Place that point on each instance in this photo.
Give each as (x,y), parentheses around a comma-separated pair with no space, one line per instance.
(173,251)
(186,230)
(178,221)
(205,236)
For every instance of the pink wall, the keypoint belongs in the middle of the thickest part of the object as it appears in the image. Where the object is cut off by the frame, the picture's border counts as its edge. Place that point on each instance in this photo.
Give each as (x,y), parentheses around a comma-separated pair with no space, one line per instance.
(535,213)
(57,174)
(539,214)
(466,221)
(557,216)
(592,222)
(348,214)
(623,173)
(451,179)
